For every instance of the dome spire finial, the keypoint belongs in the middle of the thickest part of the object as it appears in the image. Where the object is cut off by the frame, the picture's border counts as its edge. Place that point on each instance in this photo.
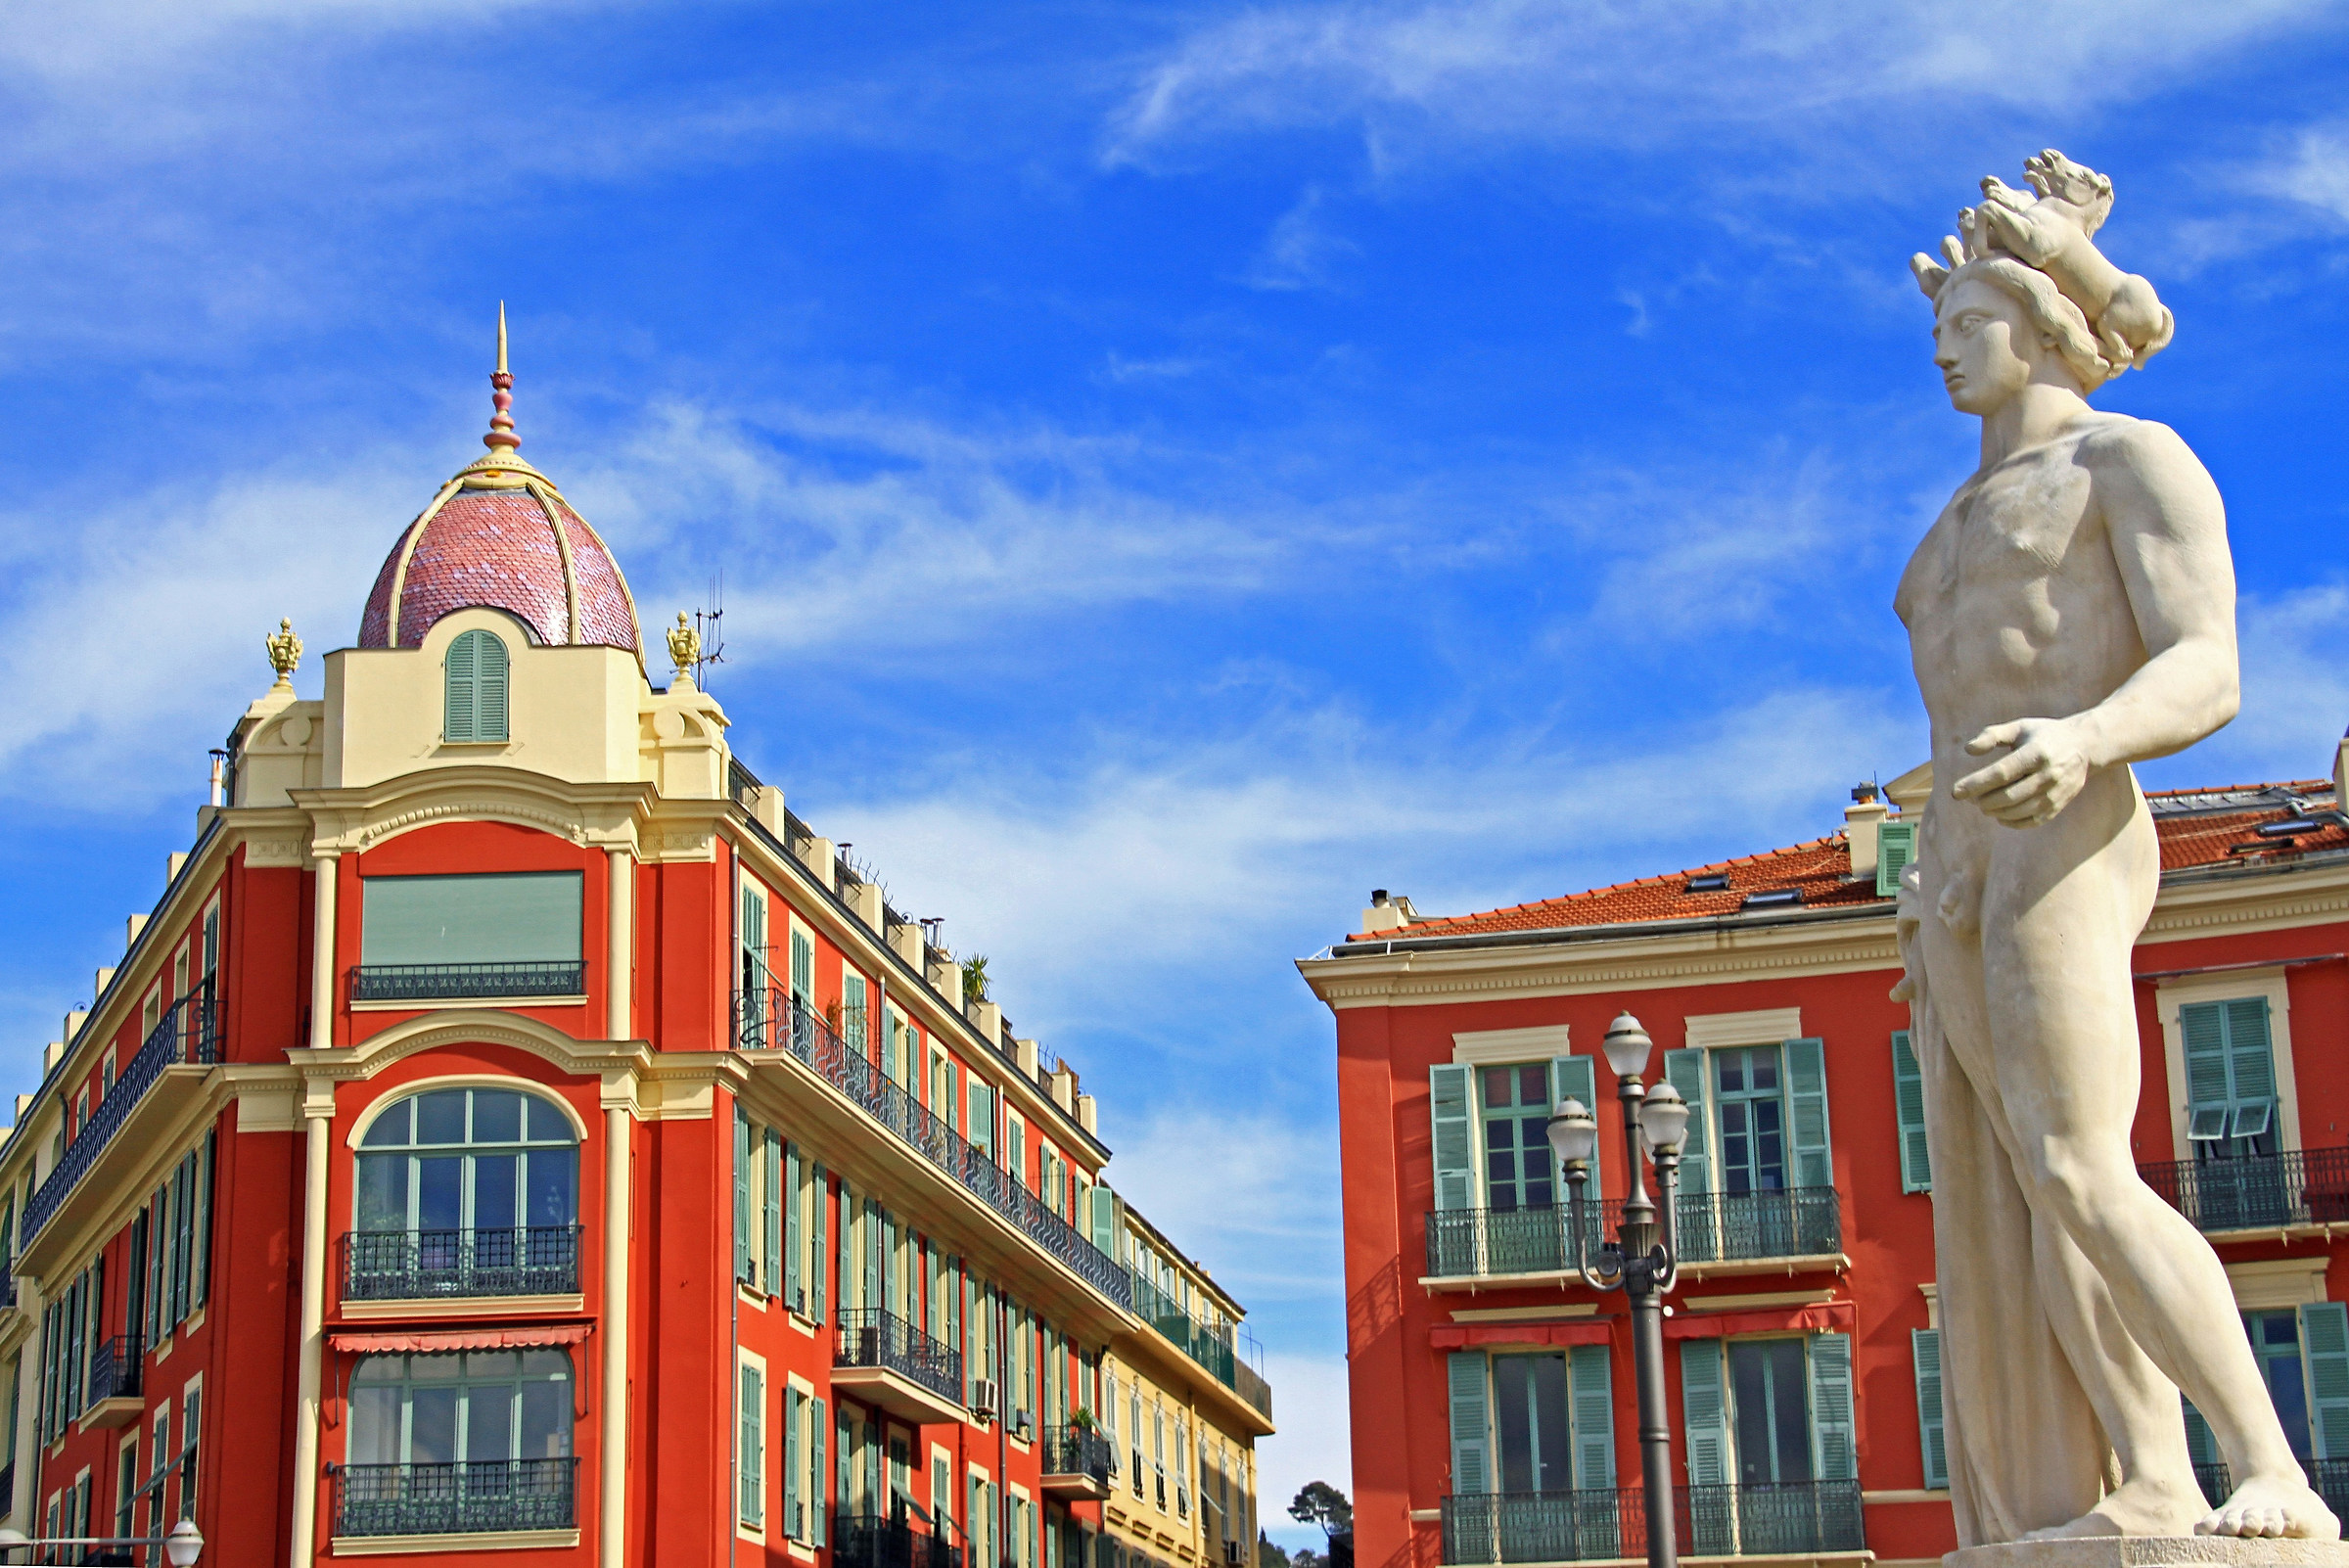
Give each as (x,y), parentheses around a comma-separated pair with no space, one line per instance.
(501,423)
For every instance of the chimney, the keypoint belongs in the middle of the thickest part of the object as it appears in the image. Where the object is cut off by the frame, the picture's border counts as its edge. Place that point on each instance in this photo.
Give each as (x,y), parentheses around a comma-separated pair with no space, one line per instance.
(2340,775)
(1385,913)
(1088,1114)
(131,927)
(171,864)
(1861,819)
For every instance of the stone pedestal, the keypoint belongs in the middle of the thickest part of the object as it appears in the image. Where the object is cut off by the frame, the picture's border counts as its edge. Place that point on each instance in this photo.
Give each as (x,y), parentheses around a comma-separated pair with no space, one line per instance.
(2154,1552)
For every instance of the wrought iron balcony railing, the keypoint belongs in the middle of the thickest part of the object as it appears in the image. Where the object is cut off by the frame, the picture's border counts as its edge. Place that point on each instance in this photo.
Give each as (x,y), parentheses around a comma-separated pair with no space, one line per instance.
(1711,1226)
(423,1265)
(2331,1478)
(1205,1346)
(1788,1519)
(473,1497)
(114,1369)
(466,982)
(2257,1192)
(189,1032)
(1079,1451)
(871,1337)
(768,1017)
(869,1540)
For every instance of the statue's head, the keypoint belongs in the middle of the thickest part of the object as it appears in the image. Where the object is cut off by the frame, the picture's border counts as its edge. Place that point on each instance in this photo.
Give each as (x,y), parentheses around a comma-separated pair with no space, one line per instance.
(1999,326)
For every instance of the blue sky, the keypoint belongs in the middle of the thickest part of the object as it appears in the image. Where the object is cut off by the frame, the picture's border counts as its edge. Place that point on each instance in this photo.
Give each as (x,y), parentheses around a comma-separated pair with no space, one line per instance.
(1175,466)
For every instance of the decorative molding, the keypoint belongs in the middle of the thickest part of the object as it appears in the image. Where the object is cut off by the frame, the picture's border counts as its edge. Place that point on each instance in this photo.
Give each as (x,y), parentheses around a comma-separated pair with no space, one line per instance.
(1478,1047)
(488,1540)
(432,1308)
(2277,1283)
(1766,1025)
(1563,1312)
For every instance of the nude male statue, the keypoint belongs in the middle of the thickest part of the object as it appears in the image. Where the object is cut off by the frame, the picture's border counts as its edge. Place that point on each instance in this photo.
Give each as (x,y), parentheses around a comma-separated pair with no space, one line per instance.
(2070,612)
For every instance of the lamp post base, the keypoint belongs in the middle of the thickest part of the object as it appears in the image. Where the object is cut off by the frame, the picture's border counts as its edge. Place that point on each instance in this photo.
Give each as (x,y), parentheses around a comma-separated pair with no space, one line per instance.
(2153,1552)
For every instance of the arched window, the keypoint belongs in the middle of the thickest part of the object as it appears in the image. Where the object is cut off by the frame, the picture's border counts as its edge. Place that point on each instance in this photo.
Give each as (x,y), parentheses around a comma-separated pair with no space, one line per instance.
(476,689)
(466,1192)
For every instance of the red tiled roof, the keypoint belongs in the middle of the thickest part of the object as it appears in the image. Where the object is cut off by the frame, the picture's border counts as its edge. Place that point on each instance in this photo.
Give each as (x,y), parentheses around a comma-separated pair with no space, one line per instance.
(2201,827)
(498,548)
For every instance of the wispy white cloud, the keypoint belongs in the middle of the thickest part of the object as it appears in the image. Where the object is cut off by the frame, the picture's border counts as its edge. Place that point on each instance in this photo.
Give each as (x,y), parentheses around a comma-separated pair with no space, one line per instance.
(1314,1442)
(1301,248)
(2314,173)
(1649,70)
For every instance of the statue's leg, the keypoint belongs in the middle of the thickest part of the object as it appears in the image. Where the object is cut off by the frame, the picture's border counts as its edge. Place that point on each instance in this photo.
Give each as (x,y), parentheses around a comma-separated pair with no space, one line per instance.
(2062,906)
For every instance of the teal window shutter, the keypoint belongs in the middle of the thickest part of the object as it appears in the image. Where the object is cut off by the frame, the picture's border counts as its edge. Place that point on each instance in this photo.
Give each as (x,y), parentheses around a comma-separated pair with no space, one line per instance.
(872,1254)
(770,1269)
(1592,1416)
(2201,1447)
(2229,1069)
(1471,1443)
(457,722)
(1103,1217)
(816,1475)
(1926,1344)
(803,967)
(490,683)
(1684,1070)
(1835,1454)
(1449,1088)
(2325,1358)
(818,1260)
(742,1193)
(495,917)
(1705,1411)
(794,1238)
(1813,1162)
(1909,1108)
(1896,846)
(1577,1078)
(791,1463)
(848,1250)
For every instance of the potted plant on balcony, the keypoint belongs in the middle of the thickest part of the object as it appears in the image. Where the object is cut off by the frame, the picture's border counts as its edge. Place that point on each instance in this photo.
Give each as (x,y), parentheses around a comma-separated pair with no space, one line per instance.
(1080,1419)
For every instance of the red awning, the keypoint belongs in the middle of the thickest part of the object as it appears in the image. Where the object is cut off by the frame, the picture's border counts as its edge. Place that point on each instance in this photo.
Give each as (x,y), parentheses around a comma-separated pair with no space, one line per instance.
(1462,1336)
(457,1339)
(1818,1317)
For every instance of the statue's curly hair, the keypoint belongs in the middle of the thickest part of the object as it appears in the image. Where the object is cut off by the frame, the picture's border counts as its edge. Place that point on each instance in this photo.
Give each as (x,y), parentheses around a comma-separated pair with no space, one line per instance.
(2050,311)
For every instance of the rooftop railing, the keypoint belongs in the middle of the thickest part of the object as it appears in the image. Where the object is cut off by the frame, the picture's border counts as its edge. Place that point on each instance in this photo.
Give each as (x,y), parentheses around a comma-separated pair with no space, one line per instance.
(426,1265)
(871,1337)
(1201,1344)
(1803,1518)
(189,1032)
(1711,1227)
(472,1496)
(2257,1192)
(770,1018)
(557,977)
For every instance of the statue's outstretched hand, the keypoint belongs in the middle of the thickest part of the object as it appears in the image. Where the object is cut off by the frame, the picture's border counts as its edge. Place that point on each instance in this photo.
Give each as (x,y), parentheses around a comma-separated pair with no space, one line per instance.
(2033,782)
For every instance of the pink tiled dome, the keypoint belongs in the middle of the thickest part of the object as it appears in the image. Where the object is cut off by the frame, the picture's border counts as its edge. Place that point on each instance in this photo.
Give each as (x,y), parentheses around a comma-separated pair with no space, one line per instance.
(500,535)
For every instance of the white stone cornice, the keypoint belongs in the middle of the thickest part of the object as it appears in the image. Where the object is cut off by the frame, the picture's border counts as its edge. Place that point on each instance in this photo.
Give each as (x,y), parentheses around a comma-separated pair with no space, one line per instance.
(360,818)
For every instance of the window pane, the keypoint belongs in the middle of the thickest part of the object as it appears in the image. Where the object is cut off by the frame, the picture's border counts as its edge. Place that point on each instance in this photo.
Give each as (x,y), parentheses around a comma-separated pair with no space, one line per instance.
(438,1185)
(1766,1071)
(1555,1445)
(433,1423)
(1532,1086)
(1732,1067)
(480,1364)
(490,1421)
(494,1191)
(377,1369)
(545,1420)
(496,1117)
(554,1190)
(375,1423)
(547,1125)
(390,1130)
(383,1192)
(434,1369)
(1496,1085)
(1749,1387)
(440,1117)
(1789,1396)
(545,1364)
(500,918)
(1512,1420)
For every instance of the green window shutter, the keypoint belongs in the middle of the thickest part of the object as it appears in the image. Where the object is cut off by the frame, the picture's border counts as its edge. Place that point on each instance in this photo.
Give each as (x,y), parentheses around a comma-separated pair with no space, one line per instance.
(204,1221)
(818,1260)
(1908,1107)
(1896,846)
(752,1462)
(793,1239)
(2201,1447)
(1449,1087)
(1591,1417)
(1925,1344)
(1705,1411)
(842,1436)
(457,719)
(1684,1070)
(2208,1089)
(803,967)
(1577,1078)
(1104,1217)
(489,689)
(742,1193)
(817,1510)
(1471,1443)
(496,917)
(770,1259)
(1813,1161)
(792,1525)
(1833,1431)
(2325,1355)
(872,1254)
(847,1253)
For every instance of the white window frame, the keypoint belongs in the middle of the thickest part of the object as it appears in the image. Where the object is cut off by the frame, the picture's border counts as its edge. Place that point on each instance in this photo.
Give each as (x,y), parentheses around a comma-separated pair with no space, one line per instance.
(2238,984)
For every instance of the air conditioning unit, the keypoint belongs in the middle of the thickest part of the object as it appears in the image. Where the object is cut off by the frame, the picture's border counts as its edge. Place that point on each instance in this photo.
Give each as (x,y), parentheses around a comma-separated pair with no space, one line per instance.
(985,1398)
(1023,1425)
(1231,1554)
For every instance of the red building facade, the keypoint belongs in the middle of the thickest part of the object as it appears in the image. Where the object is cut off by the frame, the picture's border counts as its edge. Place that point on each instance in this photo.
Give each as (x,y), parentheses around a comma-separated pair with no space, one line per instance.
(514,1130)
(1491,1392)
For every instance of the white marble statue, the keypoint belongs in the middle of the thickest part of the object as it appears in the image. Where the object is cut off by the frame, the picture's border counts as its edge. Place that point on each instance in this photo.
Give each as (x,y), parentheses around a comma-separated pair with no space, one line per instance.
(2071,611)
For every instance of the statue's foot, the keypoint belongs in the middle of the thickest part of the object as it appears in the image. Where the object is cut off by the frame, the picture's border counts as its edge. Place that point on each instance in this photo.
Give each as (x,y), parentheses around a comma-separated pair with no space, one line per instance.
(2274,1505)
(2144,1506)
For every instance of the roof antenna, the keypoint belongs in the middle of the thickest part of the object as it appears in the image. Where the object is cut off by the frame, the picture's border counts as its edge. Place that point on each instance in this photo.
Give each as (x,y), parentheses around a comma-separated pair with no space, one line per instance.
(706,626)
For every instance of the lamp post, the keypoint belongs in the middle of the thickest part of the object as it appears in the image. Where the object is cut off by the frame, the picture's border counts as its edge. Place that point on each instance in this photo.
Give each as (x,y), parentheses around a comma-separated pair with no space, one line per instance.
(181,1547)
(1642,1260)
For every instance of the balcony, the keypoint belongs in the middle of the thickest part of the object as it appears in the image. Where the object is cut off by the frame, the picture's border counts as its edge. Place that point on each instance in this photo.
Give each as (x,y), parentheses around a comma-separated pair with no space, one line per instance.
(2257,1192)
(1808,1518)
(1201,1344)
(477,1497)
(2329,1477)
(187,1035)
(768,1018)
(435,983)
(1717,1233)
(866,1541)
(408,1266)
(1078,1463)
(886,1361)
(113,1386)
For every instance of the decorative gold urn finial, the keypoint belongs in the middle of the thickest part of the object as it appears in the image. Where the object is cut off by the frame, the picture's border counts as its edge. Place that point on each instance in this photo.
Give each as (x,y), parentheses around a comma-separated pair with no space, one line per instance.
(285,652)
(684,647)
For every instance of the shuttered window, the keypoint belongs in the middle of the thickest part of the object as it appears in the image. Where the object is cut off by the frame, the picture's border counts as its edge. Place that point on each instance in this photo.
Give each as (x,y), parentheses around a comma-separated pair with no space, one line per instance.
(1471,1440)
(771,1272)
(1926,1344)
(793,1521)
(818,1260)
(1684,1070)
(1908,1109)
(1833,1430)
(803,967)
(751,1459)
(815,1476)
(1705,1411)
(475,706)
(1450,1089)
(795,1229)
(1577,1078)
(1896,846)
(1592,1384)
(506,917)
(2229,1077)
(2325,1343)
(742,1194)
(1811,1162)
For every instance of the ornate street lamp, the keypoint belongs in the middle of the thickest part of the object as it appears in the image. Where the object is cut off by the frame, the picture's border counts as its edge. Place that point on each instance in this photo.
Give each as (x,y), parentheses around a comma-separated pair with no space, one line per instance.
(181,1548)
(1642,1260)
